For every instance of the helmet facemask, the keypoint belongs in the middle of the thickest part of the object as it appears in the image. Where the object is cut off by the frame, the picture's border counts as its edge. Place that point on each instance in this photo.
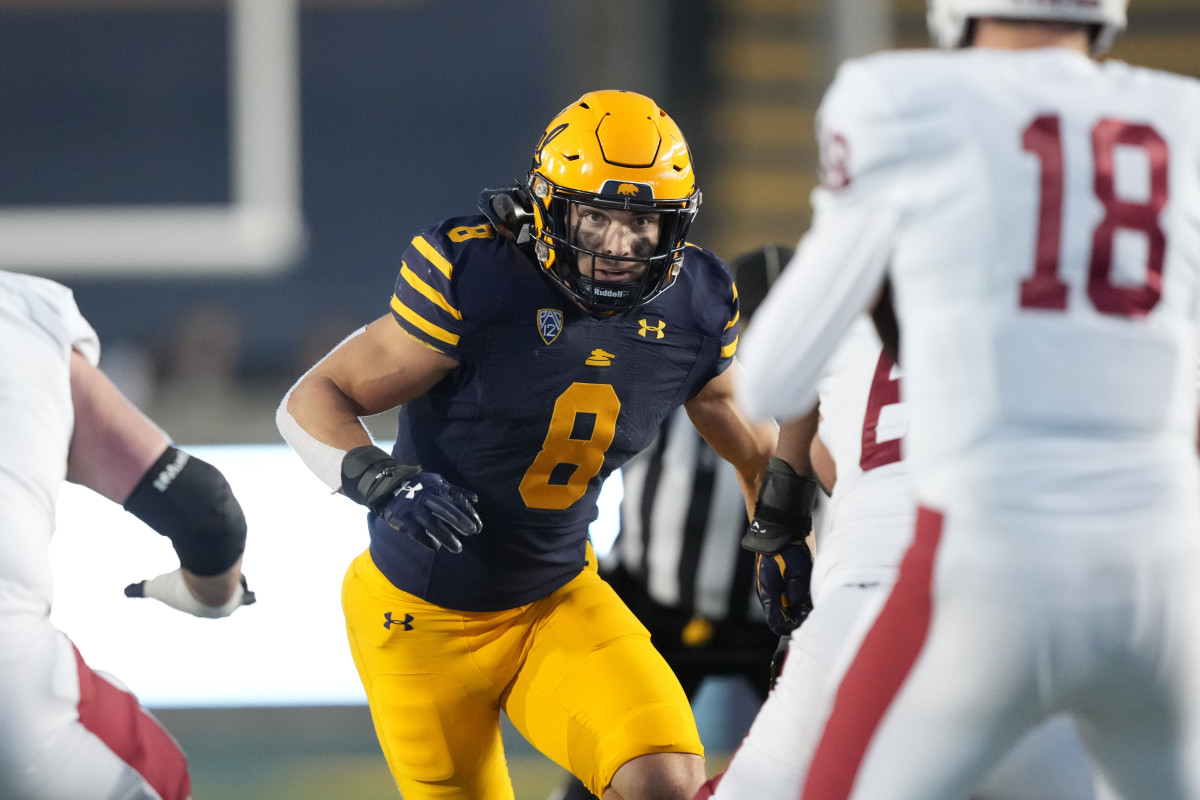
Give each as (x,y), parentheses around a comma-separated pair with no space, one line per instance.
(565,252)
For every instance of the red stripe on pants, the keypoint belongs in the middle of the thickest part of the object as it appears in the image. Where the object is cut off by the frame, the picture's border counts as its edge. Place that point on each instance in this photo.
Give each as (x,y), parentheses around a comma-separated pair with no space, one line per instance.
(115,717)
(883,661)
(709,788)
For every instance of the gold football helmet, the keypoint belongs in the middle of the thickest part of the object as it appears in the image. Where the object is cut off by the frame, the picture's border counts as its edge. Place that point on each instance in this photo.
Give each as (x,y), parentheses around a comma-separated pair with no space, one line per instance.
(619,150)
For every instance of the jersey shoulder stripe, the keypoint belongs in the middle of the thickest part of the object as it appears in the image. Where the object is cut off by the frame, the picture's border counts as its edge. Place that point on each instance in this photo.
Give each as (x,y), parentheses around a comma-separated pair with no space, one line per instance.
(706,286)
(425,302)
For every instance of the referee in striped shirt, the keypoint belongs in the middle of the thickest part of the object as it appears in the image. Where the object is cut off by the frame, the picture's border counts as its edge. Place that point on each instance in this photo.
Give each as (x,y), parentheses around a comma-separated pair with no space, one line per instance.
(677,561)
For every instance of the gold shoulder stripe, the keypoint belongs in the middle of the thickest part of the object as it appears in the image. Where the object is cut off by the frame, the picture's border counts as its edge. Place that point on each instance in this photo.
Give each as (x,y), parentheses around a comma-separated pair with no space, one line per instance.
(435,258)
(435,297)
(729,349)
(736,316)
(416,319)
(418,339)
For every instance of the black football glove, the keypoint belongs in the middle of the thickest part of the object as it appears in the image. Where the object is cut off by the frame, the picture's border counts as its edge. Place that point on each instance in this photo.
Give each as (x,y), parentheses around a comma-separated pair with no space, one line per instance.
(782,585)
(423,505)
(782,522)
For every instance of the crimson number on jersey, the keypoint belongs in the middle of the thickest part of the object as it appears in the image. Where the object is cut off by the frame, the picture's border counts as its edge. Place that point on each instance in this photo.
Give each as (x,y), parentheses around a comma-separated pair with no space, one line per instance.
(885,391)
(1045,289)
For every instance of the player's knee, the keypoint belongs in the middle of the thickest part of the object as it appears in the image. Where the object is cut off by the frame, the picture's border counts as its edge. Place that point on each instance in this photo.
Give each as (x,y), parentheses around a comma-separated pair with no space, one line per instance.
(662,758)
(659,776)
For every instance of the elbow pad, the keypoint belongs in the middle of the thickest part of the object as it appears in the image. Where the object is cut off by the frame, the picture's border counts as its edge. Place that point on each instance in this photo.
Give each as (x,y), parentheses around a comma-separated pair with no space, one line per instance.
(190,502)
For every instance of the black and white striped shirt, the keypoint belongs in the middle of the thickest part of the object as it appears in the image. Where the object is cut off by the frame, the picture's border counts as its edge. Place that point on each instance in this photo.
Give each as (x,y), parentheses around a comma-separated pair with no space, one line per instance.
(681,522)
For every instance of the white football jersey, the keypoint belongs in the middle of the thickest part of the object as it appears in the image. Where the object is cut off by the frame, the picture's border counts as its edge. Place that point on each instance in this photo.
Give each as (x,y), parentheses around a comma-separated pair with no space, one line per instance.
(868,520)
(39,327)
(1039,216)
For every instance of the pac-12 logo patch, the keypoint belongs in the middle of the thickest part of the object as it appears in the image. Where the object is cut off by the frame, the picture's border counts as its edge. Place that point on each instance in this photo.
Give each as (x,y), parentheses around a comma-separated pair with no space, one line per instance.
(550,323)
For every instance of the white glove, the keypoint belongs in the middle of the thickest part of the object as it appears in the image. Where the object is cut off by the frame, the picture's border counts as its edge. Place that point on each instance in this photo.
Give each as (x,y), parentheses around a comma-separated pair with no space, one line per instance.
(171,589)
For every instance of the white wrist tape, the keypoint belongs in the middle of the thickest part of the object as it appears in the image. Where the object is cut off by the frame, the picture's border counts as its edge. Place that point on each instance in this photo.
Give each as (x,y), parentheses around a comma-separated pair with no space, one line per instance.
(170,588)
(324,460)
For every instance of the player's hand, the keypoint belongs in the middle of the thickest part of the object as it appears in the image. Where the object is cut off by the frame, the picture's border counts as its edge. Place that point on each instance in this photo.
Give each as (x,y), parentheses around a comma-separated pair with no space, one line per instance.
(428,505)
(782,583)
(171,588)
(422,504)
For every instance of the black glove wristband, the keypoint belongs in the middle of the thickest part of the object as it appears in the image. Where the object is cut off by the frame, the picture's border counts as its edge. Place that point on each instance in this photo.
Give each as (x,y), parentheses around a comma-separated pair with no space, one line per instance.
(783,512)
(370,476)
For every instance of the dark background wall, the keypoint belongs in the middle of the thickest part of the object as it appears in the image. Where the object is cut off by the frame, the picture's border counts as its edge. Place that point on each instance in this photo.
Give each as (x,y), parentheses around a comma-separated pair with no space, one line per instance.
(408,109)
(406,112)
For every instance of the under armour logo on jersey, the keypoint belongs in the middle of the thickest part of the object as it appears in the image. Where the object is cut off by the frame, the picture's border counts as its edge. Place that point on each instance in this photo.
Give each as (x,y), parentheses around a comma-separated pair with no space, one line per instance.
(646,329)
(600,358)
(408,487)
(550,323)
(406,622)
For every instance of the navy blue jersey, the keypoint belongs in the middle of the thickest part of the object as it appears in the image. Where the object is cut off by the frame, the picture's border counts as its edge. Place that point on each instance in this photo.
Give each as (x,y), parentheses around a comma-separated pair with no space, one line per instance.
(545,403)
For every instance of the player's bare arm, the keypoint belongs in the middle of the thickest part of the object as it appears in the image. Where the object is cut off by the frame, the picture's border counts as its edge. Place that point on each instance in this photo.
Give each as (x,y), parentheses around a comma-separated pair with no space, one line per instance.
(375,370)
(113,443)
(796,438)
(114,448)
(372,372)
(823,464)
(745,445)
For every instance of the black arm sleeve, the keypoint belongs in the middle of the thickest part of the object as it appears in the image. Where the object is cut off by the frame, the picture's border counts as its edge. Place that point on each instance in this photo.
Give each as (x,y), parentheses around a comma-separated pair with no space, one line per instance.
(190,502)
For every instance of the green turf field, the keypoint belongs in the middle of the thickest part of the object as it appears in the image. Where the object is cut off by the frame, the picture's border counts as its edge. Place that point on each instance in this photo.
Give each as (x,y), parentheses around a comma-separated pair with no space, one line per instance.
(330,753)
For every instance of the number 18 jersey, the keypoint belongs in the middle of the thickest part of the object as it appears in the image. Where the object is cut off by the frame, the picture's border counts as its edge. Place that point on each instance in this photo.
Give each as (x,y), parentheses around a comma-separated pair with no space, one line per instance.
(1039,214)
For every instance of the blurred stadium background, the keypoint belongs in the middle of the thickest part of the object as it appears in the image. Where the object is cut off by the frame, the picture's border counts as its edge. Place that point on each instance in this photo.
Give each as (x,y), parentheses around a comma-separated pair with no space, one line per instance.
(228,185)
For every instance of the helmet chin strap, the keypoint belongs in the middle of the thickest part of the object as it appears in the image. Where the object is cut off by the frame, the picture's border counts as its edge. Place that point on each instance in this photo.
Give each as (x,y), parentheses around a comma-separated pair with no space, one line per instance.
(600,291)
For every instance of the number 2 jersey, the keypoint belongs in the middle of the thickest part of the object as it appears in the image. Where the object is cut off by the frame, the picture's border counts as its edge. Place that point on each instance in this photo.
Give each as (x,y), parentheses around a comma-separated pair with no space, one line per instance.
(545,403)
(867,523)
(1039,216)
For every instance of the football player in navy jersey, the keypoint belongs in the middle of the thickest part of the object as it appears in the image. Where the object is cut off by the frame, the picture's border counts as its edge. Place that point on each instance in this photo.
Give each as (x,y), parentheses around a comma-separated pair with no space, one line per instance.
(532,349)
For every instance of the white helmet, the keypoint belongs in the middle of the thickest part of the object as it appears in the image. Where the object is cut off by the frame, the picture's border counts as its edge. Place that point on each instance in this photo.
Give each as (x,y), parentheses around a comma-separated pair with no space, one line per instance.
(947,19)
